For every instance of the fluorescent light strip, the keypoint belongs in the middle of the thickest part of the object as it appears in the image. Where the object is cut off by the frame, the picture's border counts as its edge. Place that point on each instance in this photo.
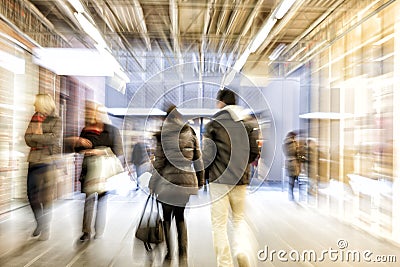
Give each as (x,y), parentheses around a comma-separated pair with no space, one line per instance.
(90,29)
(242,60)
(283,8)
(77,5)
(262,34)
(278,50)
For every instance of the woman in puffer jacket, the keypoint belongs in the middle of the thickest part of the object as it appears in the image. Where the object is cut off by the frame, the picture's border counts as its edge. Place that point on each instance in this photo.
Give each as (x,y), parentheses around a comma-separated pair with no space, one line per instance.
(178,174)
(43,136)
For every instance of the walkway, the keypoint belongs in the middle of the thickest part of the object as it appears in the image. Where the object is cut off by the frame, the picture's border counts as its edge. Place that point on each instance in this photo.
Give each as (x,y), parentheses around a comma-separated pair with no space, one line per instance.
(279,233)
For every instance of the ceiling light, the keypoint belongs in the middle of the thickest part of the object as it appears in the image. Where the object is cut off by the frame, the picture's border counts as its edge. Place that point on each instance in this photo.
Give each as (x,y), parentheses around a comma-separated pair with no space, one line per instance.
(90,29)
(242,60)
(278,50)
(283,8)
(262,34)
(77,5)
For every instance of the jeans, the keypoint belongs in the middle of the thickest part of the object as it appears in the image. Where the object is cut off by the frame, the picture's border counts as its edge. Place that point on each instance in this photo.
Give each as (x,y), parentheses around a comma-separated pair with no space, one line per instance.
(40,189)
(95,213)
(226,198)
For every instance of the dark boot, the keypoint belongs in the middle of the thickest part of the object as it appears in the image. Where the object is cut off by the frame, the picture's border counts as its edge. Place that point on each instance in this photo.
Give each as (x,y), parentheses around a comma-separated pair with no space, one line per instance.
(182,243)
(36,232)
(167,235)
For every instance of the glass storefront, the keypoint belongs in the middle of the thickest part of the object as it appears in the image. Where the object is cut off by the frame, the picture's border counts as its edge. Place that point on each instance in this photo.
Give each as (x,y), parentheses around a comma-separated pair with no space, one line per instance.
(353,91)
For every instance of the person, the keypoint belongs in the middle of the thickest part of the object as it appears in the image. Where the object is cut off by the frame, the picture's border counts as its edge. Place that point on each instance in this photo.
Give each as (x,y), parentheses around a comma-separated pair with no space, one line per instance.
(179,173)
(229,146)
(97,134)
(291,151)
(140,159)
(312,165)
(43,137)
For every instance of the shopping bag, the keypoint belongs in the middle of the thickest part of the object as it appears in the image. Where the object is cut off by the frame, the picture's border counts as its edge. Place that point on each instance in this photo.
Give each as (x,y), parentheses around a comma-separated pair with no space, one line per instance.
(99,169)
(150,227)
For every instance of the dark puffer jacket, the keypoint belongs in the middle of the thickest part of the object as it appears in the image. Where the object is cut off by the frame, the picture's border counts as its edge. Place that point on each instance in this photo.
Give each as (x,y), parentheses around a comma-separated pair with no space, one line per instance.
(230,144)
(177,161)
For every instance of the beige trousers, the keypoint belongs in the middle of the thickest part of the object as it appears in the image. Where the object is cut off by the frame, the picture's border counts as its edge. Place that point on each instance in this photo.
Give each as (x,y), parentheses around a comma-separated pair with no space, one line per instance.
(226,198)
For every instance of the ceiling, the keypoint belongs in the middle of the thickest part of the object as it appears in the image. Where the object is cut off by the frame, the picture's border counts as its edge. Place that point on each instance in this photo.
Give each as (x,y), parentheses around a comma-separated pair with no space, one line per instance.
(217,31)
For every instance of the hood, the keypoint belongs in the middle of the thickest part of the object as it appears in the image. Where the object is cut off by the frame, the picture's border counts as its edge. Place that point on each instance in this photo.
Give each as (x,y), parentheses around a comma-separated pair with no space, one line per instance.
(237,113)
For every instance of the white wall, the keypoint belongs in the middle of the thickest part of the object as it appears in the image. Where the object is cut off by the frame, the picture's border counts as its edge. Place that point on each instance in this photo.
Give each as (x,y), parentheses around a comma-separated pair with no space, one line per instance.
(283,98)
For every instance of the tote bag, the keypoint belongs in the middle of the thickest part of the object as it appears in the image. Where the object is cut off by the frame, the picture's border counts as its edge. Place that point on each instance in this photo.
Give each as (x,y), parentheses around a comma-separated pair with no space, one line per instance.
(150,227)
(99,169)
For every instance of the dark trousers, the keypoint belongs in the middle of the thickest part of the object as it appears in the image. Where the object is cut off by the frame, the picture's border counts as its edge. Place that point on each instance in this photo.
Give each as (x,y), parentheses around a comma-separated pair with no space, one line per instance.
(292,180)
(40,189)
(177,212)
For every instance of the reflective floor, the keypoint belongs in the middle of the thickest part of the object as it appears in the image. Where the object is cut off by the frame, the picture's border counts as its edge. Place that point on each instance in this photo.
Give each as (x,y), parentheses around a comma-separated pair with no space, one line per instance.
(280,233)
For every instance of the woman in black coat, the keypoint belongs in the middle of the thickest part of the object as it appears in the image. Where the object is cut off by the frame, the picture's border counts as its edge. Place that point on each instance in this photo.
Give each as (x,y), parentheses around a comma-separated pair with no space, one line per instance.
(95,136)
(178,174)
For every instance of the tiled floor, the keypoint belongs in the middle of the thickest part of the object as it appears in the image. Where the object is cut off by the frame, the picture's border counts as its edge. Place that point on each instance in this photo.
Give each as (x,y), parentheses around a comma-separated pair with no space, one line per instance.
(278,232)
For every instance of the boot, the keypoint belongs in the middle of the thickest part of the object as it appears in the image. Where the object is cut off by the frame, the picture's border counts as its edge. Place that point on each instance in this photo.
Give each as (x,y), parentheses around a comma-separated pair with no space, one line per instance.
(167,230)
(37,232)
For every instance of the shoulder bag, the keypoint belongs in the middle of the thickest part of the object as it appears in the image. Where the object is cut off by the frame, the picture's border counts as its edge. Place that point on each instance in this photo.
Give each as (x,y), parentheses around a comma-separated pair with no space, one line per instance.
(150,227)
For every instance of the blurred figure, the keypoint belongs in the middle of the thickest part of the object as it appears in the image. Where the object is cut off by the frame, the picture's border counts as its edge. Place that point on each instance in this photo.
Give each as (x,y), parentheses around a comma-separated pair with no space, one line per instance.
(179,174)
(293,156)
(96,134)
(141,160)
(43,137)
(227,156)
(312,165)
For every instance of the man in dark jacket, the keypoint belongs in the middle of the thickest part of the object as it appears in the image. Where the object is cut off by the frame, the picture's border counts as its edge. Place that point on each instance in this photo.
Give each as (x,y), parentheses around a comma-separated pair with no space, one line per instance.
(230,145)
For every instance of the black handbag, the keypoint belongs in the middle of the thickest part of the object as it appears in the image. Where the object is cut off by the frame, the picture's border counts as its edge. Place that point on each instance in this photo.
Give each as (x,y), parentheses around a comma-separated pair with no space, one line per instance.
(150,228)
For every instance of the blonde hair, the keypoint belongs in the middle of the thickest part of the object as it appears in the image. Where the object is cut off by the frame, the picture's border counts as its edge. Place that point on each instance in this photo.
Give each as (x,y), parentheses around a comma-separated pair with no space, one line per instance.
(44,103)
(100,111)
(102,114)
